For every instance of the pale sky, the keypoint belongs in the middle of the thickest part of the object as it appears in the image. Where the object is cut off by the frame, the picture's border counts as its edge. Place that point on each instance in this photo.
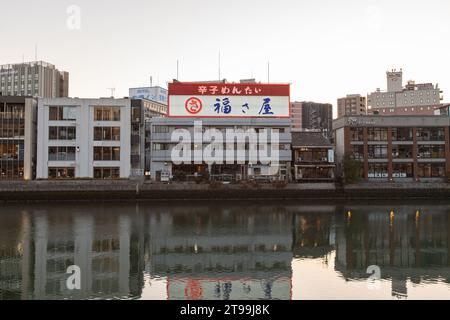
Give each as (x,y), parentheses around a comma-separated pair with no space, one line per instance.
(324,48)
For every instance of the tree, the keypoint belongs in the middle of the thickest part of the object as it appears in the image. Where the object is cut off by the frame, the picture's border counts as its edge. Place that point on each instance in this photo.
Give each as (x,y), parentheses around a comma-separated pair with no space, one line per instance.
(351,169)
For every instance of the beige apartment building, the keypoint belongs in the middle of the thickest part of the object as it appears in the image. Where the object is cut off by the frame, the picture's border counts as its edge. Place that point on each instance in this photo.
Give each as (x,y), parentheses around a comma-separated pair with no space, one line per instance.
(351,105)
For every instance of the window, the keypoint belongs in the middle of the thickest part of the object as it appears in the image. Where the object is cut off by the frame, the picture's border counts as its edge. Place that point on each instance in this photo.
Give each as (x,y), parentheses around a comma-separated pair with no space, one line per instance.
(402,151)
(435,170)
(61,173)
(61,154)
(107,113)
(160,129)
(62,133)
(106,133)
(106,173)
(431,151)
(106,153)
(160,146)
(356,134)
(378,171)
(358,152)
(62,113)
(430,134)
(402,134)
(402,170)
(378,151)
(377,134)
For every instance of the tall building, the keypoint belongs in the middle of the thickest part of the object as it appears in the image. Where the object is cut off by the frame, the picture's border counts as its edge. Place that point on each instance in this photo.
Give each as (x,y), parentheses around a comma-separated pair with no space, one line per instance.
(296,116)
(312,116)
(413,99)
(17,138)
(89,138)
(156,93)
(351,105)
(36,79)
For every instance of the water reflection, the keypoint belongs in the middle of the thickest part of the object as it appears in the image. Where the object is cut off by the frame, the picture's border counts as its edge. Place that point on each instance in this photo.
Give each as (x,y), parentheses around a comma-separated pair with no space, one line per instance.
(220,251)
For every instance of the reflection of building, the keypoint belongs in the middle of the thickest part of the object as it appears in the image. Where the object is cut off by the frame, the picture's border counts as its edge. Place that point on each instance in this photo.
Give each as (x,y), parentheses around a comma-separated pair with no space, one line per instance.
(37,79)
(226,255)
(17,138)
(108,248)
(313,157)
(414,99)
(400,148)
(314,232)
(404,244)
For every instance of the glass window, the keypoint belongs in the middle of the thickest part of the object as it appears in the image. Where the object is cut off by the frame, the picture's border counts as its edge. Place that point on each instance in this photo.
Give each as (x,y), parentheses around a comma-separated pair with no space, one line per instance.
(106,173)
(53,133)
(356,134)
(378,151)
(61,173)
(116,154)
(378,171)
(402,170)
(358,152)
(430,134)
(435,170)
(402,134)
(377,134)
(402,151)
(115,134)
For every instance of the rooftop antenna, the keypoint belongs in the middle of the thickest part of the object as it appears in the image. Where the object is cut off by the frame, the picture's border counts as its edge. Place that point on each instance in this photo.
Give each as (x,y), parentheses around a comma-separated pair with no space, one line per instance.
(113,91)
(151,81)
(178,69)
(219,68)
(36,52)
(268,71)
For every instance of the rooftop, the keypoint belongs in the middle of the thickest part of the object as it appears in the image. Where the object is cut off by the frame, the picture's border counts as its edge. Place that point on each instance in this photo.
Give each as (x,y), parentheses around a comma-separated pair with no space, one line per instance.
(310,139)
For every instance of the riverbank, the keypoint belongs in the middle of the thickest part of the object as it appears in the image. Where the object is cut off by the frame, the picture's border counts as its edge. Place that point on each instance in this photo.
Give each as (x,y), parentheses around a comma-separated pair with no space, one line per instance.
(90,190)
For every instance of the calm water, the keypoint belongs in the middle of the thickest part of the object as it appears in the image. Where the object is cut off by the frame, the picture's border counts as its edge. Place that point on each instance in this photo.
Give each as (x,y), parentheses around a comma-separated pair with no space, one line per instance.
(225,251)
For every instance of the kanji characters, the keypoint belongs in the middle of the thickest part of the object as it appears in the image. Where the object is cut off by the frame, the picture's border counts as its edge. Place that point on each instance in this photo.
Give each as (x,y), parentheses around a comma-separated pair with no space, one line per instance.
(266,109)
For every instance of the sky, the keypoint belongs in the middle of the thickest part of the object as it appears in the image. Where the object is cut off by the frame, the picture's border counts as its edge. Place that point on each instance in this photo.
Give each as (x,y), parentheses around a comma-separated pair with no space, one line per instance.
(324,48)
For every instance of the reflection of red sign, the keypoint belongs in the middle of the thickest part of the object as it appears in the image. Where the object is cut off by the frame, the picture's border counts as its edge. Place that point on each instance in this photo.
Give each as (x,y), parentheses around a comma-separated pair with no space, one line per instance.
(193,105)
(193,290)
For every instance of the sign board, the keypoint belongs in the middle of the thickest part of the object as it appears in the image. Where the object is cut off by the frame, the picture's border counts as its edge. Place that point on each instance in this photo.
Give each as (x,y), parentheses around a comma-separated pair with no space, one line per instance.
(331,156)
(223,100)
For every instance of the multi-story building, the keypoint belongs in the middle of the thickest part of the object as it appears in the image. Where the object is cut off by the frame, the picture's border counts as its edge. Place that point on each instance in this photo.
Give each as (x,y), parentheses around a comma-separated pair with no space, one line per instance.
(312,116)
(296,116)
(351,105)
(162,144)
(89,138)
(414,99)
(156,93)
(37,79)
(396,148)
(17,137)
(313,158)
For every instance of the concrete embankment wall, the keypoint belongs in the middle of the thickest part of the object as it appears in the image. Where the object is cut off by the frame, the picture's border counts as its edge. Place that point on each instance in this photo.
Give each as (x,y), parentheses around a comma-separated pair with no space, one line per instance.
(133,190)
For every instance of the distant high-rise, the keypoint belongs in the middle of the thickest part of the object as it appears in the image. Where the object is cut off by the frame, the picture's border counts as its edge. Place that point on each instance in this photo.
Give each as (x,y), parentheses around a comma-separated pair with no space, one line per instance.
(351,105)
(36,79)
(413,99)
(312,116)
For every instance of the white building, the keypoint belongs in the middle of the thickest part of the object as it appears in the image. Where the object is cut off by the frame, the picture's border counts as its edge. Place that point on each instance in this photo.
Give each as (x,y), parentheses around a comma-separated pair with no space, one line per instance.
(83,138)
(413,99)
(156,93)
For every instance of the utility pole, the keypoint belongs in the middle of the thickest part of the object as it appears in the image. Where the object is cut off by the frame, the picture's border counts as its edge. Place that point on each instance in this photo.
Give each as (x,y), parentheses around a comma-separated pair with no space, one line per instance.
(113,91)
